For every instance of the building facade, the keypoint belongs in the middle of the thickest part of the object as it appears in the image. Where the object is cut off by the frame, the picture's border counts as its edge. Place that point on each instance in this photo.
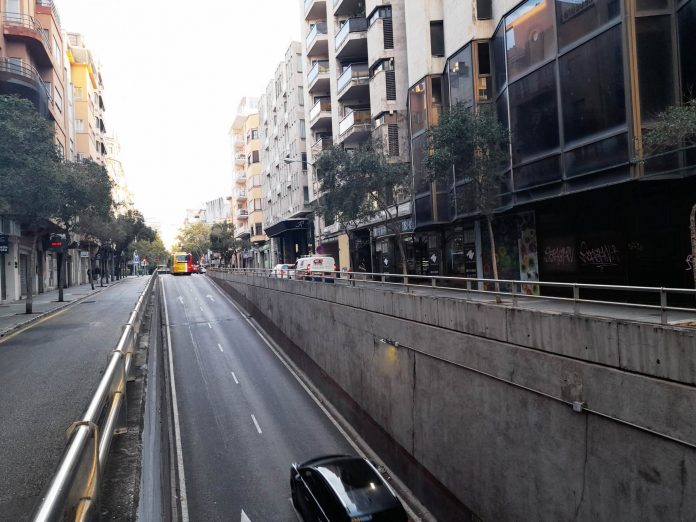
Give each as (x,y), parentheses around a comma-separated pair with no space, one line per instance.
(282,129)
(356,90)
(576,85)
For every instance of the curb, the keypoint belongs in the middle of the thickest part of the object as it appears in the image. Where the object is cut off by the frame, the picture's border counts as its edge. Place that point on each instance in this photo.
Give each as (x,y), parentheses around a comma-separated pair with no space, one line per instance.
(48,313)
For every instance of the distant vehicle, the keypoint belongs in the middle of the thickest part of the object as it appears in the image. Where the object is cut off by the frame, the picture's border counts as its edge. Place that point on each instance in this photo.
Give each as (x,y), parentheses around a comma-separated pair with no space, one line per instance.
(283,271)
(316,268)
(182,263)
(196,269)
(163,269)
(340,488)
(201,269)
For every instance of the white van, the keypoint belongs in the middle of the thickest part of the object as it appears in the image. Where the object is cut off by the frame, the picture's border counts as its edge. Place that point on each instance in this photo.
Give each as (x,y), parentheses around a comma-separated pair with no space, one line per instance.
(315,268)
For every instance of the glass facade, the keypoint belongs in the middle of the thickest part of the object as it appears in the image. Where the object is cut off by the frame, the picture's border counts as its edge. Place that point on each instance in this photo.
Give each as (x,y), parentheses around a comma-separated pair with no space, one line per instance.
(460,76)
(687,40)
(655,67)
(529,36)
(417,108)
(575,20)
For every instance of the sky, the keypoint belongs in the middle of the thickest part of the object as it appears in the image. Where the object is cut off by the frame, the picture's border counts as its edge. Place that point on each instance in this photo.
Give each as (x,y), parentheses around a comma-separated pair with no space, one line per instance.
(173,78)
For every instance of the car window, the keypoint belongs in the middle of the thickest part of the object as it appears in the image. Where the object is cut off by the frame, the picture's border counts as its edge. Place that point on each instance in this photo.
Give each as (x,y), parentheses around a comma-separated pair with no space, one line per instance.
(326,499)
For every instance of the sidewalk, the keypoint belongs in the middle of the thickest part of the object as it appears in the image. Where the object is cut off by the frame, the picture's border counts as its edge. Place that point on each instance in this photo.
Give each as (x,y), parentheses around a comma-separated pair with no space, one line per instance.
(13,316)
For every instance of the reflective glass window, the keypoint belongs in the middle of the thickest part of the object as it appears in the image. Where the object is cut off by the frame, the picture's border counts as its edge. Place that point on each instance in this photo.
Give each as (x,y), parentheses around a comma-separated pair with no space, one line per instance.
(592,86)
(499,75)
(602,154)
(687,44)
(538,173)
(417,107)
(501,109)
(651,5)
(461,83)
(575,19)
(655,72)
(534,114)
(424,209)
(418,145)
(529,36)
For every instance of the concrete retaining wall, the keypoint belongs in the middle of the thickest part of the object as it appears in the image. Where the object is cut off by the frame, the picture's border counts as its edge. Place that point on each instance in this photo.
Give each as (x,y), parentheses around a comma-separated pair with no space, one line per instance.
(480,395)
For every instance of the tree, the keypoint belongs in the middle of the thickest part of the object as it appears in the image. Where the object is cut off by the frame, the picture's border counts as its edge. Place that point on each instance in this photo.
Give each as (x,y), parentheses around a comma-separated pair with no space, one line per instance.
(222,241)
(28,159)
(675,128)
(154,251)
(360,185)
(195,238)
(475,144)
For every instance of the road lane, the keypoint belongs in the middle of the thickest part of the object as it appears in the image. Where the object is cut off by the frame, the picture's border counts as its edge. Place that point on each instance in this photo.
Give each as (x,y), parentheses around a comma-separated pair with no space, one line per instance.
(244,418)
(48,374)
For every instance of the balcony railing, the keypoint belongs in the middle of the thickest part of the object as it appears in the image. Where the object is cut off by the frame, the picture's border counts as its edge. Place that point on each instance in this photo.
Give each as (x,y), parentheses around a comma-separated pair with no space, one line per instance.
(319,28)
(357,72)
(242,214)
(355,119)
(240,158)
(52,5)
(319,107)
(240,176)
(318,68)
(352,25)
(321,145)
(241,194)
(16,69)
(28,22)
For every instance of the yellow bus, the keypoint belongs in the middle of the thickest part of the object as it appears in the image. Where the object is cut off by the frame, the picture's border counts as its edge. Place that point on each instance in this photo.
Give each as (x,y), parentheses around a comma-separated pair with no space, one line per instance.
(182,263)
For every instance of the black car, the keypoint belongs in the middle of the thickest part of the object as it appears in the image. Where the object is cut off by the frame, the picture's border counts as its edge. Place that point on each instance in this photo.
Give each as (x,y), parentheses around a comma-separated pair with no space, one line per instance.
(341,488)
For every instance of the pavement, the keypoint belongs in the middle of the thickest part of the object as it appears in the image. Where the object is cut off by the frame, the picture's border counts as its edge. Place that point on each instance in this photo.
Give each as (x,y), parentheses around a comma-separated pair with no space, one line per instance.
(14,317)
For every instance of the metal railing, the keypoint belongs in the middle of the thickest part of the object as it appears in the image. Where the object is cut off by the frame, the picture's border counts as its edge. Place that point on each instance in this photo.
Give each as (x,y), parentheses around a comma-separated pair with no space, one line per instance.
(317,29)
(320,67)
(357,73)
(321,145)
(514,291)
(323,105)
(352,25)
(358,118)
(52,5)
(31,23)
(73,492)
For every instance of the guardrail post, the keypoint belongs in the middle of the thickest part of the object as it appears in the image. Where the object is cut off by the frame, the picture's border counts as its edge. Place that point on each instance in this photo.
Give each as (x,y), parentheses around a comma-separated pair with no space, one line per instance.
(433,284)
(576,298)
(663,306)
(513,291)
(405,278)
(384,279)
(468,289)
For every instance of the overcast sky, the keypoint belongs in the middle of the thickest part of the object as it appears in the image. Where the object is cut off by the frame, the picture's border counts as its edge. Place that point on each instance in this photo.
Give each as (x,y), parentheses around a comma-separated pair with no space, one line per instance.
(173,78)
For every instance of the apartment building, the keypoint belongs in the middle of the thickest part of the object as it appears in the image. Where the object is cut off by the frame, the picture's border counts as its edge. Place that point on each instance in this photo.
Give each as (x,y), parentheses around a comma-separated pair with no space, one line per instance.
(282,128)
(577,84)
(88,100)
(122,195)
(356,90)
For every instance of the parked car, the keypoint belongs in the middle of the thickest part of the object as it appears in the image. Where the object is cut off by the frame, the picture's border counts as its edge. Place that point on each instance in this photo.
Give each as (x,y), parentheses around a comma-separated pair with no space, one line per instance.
(341,488)
(201,269)
(283,271)
(316,268)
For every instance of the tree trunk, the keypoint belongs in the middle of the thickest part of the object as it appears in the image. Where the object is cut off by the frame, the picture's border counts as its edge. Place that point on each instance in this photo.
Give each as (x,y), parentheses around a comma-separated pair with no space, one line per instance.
(29,308)
(693,241)
(494,259)
(402,252)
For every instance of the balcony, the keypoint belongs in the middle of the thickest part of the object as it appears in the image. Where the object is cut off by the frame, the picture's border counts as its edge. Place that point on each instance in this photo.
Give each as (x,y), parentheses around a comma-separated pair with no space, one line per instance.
(320,115)
(355,127)
(28,30)
(238,141)
(240,195)
(314,9)
(240,176)
(347,7)
(20,78)
(321,145)
(50,5)
(317,40)
(318,77)
(353,84)
(240,159)
(351,40)
(242,214)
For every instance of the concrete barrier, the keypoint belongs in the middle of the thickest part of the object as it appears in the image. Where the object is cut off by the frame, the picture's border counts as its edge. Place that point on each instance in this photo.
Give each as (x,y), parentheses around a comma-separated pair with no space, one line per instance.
(481,397)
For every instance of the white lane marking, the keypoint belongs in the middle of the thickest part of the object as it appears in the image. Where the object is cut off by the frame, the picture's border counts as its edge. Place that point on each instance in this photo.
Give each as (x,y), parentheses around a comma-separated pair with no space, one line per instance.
(201,308)
(210,297)
(368,453)
(220,346)
(181,299)
(183,499)
(210,326)
(244,517)
(258,428)
(235,378)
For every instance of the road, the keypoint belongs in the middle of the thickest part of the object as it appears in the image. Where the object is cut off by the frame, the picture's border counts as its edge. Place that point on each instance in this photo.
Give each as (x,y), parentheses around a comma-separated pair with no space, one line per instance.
(48,374)
(243,416)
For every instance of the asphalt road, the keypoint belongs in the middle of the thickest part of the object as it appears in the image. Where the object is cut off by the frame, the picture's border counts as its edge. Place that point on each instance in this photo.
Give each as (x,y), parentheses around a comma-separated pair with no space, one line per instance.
(48,373)
(243,416)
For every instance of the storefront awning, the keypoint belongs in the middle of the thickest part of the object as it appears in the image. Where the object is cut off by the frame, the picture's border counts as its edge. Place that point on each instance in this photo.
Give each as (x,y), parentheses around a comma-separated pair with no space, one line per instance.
(287,225)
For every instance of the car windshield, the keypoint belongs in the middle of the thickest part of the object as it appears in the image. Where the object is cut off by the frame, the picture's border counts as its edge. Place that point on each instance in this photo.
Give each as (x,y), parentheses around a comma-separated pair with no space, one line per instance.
(357,485)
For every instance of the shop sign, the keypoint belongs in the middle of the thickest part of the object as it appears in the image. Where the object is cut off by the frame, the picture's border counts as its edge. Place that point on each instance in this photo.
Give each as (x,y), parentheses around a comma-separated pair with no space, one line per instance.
(382,230)
(84,253)
(4,244)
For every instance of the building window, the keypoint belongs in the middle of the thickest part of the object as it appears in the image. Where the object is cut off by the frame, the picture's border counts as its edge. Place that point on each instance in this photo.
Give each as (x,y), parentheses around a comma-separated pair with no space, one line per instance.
(437,38)
(499,69)
(592,86)
(534,114)
(79,125)
(417,108)
(12,8)
(379,12)
(529,36)
(258,229)
(655,67)
(538,173)
(77,92)
(484,9)
(461,83)
(58,99)
(253,157)
(303,132)
(300,96)
(57,54)
(483,62)
(576,19)
(687,43)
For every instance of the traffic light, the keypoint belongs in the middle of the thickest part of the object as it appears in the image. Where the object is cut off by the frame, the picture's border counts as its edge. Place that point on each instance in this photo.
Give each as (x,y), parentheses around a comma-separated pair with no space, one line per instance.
(56,242)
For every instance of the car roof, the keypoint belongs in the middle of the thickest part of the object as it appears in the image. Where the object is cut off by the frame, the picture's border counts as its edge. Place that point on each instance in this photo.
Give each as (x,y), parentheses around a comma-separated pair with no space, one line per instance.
(355,482)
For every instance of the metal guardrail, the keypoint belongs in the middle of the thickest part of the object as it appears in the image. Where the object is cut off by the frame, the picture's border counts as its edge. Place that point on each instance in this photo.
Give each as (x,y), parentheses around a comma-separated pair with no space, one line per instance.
(73,493)
(513,290)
